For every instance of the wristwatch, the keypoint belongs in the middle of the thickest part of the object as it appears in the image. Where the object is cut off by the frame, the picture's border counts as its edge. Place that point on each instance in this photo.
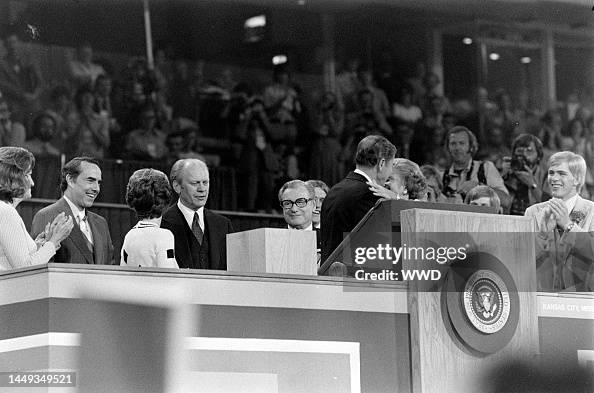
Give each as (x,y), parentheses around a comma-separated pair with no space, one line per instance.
(569,227)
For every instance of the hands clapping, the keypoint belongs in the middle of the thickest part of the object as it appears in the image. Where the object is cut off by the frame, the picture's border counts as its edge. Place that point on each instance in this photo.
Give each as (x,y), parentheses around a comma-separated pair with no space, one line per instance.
(59,229)
(557,210)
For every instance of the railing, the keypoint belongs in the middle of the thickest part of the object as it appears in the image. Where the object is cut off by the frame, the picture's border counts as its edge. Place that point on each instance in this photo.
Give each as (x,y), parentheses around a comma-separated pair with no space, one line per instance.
(121,218)
(115,175)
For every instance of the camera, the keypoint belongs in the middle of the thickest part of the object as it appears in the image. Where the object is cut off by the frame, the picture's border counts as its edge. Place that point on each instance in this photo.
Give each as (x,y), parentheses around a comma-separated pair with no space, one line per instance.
(518,163)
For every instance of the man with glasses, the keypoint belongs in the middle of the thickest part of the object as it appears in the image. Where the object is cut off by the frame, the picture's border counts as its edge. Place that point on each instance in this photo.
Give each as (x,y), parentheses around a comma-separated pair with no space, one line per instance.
(297,200)
(524,177)
(350,199)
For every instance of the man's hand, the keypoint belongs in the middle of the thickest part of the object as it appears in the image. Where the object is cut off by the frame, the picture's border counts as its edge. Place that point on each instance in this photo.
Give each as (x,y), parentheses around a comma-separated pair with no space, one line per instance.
(560,212)
(527,178)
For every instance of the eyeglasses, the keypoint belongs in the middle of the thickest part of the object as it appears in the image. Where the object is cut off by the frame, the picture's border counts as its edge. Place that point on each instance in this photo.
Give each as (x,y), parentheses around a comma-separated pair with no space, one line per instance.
(300,202)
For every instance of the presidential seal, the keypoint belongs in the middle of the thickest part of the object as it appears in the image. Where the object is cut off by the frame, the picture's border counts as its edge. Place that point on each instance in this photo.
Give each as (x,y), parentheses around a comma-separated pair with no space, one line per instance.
(486,301)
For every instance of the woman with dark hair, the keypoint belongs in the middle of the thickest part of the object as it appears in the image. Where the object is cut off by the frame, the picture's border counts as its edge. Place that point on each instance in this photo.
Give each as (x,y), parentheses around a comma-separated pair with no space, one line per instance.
(147,244)
(405,182)
(44,132)
(17,248)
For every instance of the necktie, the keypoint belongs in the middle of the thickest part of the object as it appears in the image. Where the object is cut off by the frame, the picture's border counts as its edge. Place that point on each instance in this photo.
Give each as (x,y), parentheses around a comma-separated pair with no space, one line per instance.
(196,229)
(86,230)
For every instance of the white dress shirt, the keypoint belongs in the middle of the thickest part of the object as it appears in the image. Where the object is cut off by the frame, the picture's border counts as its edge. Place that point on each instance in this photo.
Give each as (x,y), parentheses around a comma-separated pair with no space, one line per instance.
(189,215)
(80,217)
(570,203)
(365,175)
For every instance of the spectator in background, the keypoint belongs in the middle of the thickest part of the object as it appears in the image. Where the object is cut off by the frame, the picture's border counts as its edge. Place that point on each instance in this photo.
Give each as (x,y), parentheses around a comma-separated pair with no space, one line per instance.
(380,100)
(367,119)
(182,93)
(102,106)
(282,107)
(83,71)
(258,164)
(483,196)
(495,147)
(465,173)
(320,191)
(91,135)
(550,132)
(60,108)
(12,133)
(44,132)
(347,86)
(178,146)
(146,143)
(147,244)
(523,175)
(21,82)
(416,82)
(434,184)
(404,110)
(325,151)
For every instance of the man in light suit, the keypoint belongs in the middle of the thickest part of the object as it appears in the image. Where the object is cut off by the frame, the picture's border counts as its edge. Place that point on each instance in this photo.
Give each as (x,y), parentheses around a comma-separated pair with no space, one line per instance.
(200,235)
(565,228)
(90,241)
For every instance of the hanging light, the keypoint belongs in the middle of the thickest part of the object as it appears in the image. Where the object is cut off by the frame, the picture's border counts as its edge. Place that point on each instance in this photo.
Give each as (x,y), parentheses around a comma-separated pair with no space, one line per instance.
(467,40)
(279,59)
(494,56)
(526,60)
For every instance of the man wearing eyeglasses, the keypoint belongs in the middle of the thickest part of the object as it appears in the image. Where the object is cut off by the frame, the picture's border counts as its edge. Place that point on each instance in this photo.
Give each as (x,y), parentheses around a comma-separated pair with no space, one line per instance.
(350,199)
(297,200)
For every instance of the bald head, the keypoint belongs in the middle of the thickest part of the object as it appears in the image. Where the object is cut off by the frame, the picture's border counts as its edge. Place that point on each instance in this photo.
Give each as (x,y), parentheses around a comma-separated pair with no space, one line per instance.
(191,181)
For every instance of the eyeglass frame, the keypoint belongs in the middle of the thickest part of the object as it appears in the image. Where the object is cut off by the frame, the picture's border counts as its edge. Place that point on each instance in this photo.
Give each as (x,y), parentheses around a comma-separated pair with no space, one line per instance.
(295,202)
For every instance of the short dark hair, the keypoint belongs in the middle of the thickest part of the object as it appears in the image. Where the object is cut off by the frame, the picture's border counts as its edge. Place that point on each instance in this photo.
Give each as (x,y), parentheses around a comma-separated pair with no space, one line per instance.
(372,149)
(15,162)
(148,193)
(474,146)
(84,89)
(36,125)
(72,169)
(524,140)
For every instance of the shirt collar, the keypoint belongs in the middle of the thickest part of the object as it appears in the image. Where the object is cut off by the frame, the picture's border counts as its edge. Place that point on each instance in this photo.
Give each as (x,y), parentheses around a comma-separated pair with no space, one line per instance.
(453,172)
(365,175)
(570,203)
(189,214)
(308,228)
(79,214)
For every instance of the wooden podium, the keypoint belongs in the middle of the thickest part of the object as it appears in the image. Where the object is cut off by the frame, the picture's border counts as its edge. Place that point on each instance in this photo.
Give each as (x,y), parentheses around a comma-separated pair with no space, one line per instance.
(452,345)
(481,311)
(272,250)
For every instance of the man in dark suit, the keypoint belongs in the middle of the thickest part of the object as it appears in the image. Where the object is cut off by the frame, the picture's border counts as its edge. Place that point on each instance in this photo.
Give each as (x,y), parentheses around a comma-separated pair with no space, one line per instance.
(350,199)
(200,235)
(89,242)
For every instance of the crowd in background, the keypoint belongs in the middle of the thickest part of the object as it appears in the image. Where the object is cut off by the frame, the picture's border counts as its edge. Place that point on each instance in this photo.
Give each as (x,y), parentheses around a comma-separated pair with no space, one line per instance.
(272,134)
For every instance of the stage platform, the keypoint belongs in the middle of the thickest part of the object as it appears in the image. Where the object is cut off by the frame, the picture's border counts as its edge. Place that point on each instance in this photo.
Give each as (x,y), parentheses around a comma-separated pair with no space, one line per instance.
(245,332)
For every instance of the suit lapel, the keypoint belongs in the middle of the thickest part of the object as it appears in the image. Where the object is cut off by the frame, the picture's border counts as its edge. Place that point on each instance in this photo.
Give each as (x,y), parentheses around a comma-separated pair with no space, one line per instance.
(76,236)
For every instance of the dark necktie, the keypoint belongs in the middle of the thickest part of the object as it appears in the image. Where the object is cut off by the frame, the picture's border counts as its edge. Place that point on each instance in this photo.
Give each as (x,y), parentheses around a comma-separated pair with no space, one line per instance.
(196,229)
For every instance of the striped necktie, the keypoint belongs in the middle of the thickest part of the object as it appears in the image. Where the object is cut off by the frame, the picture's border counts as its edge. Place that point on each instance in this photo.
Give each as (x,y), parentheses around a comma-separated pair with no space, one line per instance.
(196,229)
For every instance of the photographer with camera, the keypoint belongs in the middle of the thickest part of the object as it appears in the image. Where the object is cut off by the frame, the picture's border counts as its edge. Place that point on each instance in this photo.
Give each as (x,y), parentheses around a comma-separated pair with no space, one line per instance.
(523,175)
(465,173)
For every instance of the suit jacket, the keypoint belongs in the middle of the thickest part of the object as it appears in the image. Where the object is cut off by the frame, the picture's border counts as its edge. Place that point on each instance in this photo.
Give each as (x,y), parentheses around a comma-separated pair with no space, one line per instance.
(565,261)
(74,248)
(345,205)
(216,228)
